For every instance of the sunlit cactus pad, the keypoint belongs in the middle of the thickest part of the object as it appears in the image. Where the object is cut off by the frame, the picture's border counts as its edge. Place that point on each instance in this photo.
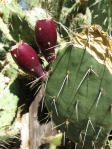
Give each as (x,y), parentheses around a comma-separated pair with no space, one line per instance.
(8,108)
(9,98)
(78,93)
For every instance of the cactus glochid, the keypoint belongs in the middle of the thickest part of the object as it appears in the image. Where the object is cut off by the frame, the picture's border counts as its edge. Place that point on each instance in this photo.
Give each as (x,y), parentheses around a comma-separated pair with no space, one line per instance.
(78,93)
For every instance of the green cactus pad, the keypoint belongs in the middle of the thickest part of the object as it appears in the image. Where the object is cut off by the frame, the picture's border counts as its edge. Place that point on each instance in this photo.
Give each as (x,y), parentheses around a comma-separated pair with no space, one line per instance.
(8,105)
(101,13)
(7,8)
(8,108)
(4,29)
(78,93)
(20,30)
(9,98)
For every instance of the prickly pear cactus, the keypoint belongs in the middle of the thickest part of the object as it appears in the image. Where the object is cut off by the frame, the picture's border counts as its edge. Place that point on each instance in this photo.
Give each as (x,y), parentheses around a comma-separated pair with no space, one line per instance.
(78,92)
(9,91)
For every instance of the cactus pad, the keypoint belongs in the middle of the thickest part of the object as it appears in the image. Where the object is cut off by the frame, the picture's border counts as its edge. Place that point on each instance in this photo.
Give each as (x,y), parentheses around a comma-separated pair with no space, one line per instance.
(78,93)
(8,108)
(9,97)
(101,13)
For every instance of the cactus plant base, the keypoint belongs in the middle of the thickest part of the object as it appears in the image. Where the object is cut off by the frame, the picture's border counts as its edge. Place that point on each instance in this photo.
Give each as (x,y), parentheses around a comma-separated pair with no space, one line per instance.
(78,94)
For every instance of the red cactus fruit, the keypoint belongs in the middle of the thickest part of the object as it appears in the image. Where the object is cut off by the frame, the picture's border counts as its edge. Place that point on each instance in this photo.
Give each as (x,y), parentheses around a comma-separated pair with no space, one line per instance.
(46,37)
(27,59)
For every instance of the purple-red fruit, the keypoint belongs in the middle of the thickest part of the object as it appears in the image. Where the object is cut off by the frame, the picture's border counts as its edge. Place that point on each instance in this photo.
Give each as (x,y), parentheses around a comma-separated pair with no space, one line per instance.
(46,38)
(27,59)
